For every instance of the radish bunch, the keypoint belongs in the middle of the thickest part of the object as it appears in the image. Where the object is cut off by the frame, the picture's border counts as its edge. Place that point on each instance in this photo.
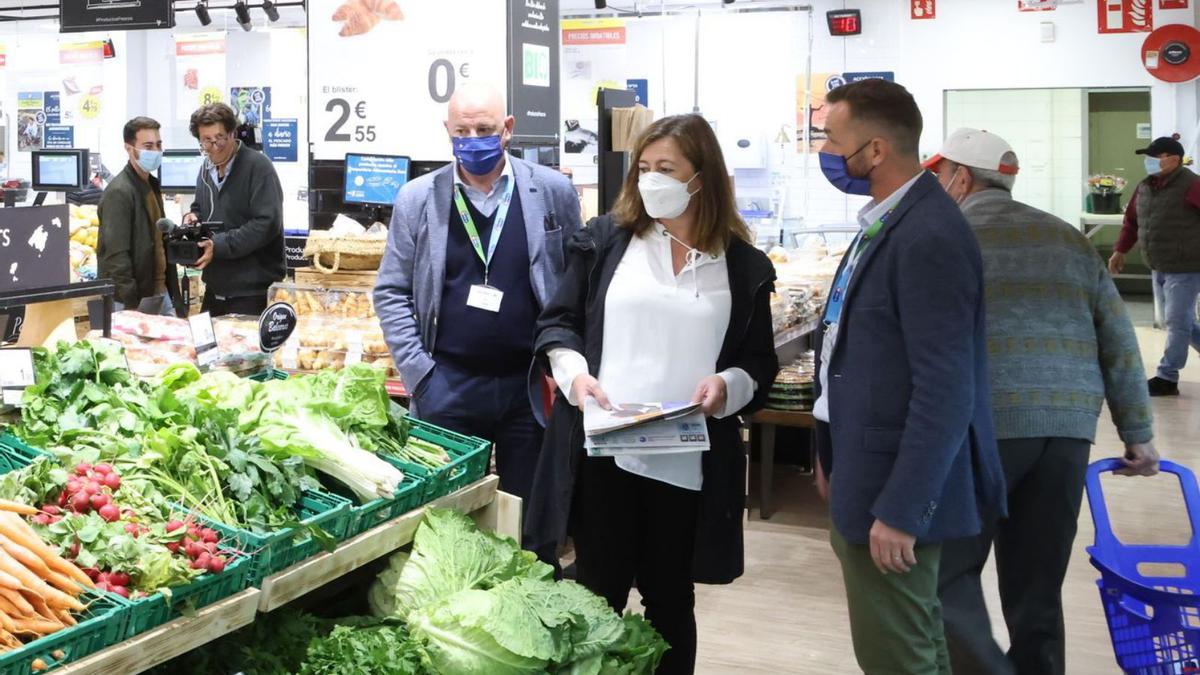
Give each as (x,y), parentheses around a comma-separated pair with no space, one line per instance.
(199,545)
(114,582)
(90,489)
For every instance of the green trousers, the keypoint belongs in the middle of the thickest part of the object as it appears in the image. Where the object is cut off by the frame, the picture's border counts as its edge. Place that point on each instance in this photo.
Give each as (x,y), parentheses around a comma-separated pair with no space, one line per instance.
(895,619)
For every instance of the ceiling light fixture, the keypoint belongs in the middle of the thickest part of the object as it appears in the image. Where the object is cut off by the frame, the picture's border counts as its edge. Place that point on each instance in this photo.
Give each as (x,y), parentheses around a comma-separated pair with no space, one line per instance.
(270,10)
(243,15)
(202,14)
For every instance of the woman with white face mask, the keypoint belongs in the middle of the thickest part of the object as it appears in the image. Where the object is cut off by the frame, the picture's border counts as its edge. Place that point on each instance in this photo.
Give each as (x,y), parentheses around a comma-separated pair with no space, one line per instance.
(663,300)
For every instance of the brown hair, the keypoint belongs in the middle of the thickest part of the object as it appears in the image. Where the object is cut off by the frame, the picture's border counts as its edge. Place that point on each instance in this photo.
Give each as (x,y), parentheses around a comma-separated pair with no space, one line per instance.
(885,105)
(717,219)
(133,126)
(214,113)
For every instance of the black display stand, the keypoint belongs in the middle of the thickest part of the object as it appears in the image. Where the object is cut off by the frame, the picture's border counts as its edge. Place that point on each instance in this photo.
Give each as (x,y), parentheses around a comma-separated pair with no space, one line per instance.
(613,165)
(105,290)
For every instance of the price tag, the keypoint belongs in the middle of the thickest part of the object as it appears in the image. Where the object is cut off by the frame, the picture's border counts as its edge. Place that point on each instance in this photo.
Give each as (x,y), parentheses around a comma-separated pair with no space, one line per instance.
(204,336)
(354,348)
(291,355)
(16,373)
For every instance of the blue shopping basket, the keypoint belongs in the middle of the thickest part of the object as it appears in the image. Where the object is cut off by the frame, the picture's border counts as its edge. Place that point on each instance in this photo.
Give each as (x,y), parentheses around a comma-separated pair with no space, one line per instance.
(1154,620)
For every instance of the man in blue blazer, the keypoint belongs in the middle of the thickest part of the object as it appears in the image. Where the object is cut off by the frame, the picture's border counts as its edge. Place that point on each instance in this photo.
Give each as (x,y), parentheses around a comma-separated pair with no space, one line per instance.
(475,251)
(905,434)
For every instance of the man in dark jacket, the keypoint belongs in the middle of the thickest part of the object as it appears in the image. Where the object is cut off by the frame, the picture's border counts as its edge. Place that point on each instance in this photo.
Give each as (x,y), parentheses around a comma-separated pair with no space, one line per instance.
(905,430)
(238,194)
(130,245)
(1164,214)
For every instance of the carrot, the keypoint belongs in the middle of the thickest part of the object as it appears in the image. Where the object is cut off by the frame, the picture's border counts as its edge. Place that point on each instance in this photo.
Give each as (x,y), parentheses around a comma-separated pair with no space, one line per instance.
(21,533)
(17,507)
(63,583)
(54,597)
(40,607)
(36,626)
(17,602)
(10,582)
(26,557)
(9,641)
(65,617)
(6,622)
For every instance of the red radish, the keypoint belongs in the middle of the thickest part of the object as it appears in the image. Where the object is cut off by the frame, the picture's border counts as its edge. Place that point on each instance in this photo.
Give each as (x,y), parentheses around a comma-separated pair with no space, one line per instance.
(62,499)
(173,525)
(209,536)
(194,549)
(120,590)
(113,481)
(173,547)
(41,519)
(103,468)
(118,578)
(81,502)
(52,509)
(73,484)
(82,468)
(216,564)
(109,513)
(131,528)
(92,572)
(198,565)
(103,586)
(104,577)
(100,500)
(74,552)
(55,519)
(94,487)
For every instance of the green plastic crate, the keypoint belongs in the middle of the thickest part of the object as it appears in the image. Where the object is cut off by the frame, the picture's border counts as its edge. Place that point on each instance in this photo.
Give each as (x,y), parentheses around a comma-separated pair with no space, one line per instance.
(266,375)
(409,495)
(104,623)
(279,550)
(153,611)
(469,457)
(18,454)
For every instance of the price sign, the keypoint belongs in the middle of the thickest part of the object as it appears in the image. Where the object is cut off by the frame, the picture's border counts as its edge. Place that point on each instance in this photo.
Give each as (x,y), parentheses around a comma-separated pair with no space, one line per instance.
(210,95)
(354,348)
(275,326)
(356,110)
(16,373)
(89,107)
(205,339)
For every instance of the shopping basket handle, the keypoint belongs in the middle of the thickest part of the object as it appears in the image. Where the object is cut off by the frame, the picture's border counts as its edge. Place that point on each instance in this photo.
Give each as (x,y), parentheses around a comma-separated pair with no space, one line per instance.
(1106,542)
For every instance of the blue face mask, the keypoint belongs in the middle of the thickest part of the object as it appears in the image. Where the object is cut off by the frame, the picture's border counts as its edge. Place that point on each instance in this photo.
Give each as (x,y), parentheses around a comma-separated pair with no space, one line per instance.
(149,160)
(479,155)
(837,172)
(1153,166)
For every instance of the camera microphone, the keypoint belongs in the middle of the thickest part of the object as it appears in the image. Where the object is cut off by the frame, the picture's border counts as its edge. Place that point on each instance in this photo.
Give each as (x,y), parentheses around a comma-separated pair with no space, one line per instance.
(165,225)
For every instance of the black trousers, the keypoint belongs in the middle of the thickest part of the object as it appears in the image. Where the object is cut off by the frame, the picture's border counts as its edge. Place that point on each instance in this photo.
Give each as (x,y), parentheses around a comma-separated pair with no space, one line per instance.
(1033,547)
(495,408)
(628,528)
(251,305)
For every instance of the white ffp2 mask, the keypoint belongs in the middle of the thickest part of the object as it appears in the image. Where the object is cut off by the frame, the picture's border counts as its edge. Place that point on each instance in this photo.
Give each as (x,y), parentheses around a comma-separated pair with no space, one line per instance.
(663,196)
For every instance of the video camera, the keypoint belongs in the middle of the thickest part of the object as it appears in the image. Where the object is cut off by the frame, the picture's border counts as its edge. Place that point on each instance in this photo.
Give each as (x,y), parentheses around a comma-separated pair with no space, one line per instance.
(182,242)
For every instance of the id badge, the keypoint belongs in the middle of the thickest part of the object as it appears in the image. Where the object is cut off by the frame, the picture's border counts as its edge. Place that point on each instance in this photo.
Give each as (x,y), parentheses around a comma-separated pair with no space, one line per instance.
(830,339)
(485,298)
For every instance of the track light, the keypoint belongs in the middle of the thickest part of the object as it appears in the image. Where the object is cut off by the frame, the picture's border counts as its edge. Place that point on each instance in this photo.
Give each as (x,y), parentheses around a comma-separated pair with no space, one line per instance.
(202,14)
(601,4)
(270,10)
(243,15)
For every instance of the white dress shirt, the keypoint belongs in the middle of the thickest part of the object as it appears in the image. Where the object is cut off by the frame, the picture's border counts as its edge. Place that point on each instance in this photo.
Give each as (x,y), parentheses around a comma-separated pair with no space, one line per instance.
(662,334)
(486,202)
(870,213)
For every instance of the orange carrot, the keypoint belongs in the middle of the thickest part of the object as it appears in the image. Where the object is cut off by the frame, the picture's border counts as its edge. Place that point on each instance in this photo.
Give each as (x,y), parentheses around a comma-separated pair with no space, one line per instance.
(17,602)
(54,597)
(17,507)
(21,533)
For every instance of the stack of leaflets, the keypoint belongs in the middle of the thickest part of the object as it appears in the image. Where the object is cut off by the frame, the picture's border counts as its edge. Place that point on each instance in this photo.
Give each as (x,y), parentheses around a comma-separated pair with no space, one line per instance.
(644,429)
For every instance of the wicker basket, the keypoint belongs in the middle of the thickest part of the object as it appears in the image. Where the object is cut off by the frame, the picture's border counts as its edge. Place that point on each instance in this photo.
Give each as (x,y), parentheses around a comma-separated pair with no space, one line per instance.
(346,253)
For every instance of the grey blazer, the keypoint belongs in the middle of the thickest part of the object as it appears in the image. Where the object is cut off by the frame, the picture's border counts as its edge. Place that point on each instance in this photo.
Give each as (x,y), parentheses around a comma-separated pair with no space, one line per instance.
(408,293)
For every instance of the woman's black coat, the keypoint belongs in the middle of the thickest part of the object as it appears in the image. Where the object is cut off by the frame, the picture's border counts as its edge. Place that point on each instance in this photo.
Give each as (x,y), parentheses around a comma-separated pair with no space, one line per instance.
(575,319)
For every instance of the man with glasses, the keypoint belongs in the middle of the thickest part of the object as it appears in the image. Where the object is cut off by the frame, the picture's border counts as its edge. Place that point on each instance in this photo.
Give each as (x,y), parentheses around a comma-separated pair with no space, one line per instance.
(239,196)
(130,245)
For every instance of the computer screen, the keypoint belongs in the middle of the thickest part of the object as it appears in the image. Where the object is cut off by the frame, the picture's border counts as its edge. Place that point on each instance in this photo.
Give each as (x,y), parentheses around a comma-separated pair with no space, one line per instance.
(179,170)
(59,170)
(374,179)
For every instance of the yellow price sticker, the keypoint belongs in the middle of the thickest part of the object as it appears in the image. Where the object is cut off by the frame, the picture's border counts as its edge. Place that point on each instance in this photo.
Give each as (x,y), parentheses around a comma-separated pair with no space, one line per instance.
(210,95)
(89,107)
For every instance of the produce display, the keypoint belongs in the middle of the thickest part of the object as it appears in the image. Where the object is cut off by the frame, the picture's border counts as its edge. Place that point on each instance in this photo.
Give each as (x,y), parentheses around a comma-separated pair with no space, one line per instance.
(804,277)
(337,328)
(346,303)
(85,236)
(154,342)
(463,601)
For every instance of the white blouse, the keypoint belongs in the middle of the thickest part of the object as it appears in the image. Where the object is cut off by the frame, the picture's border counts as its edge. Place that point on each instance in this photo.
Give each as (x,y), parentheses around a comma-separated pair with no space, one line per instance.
(662,334)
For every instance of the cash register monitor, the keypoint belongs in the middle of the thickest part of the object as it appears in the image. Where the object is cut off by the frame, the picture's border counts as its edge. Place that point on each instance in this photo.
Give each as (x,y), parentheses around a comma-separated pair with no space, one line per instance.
(374,180)
(60,170)
(180,170)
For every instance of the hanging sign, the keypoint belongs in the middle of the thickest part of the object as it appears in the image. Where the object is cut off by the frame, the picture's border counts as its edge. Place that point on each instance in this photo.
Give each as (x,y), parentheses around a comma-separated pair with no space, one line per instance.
(280,140)
(81,16)
(923,9)
(59,137)
(34,247)
(428,49)
(81,53)
(533,79)
(1124,16)
(576,32)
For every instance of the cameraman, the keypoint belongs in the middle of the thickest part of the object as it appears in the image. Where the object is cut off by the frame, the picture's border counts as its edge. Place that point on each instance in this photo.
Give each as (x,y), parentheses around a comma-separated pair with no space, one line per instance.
(239,197)
(130,245)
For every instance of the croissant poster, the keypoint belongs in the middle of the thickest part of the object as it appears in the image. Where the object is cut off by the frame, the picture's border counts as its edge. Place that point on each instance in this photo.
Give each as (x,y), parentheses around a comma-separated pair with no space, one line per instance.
(382,71)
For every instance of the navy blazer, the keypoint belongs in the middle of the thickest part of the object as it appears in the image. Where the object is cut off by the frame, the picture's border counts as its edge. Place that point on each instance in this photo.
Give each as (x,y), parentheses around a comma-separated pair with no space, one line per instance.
(910,440)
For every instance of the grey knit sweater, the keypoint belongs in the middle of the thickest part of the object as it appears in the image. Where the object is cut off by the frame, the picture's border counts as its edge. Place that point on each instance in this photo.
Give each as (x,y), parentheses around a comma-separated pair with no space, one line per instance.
(1059,339)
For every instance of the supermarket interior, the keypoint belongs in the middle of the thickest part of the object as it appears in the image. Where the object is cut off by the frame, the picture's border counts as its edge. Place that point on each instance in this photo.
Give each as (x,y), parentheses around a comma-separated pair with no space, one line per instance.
(826,336)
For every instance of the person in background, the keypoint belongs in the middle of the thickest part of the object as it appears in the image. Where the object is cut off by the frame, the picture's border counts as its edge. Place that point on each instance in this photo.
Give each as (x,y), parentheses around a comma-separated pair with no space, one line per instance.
(664,299)
(1164,214)
(475,252)
(904,428)
(239,194)
(1053,359)
(130,249)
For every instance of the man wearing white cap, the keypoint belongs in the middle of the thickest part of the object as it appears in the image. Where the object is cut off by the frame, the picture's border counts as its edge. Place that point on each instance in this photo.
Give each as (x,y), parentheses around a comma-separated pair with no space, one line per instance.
(1059,344)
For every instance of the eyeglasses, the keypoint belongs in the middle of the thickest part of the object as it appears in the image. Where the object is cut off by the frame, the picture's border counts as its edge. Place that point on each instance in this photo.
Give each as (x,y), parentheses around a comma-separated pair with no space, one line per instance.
(218,142)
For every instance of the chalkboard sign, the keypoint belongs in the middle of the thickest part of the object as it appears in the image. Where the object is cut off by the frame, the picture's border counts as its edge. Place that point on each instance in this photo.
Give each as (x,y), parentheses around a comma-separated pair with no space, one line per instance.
(34,247)
(76,16)
(275,326)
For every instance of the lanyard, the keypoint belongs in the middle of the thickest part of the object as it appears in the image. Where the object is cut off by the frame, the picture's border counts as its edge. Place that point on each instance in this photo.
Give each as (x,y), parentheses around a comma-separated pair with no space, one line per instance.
(497,225)
(837,298)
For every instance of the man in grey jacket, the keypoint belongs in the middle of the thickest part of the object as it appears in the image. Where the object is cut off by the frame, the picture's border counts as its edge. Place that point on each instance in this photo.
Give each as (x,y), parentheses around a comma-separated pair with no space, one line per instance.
(475,252)
(1059,344)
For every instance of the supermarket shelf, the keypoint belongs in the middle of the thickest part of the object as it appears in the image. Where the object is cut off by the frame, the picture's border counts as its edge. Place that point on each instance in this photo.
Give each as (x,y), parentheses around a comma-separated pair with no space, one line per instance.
(170,639)
(796,332)
(298,580)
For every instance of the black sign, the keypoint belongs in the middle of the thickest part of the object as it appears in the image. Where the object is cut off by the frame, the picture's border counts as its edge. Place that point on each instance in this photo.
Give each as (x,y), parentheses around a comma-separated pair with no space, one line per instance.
(1176,53)
(275,326)
(34,247)
(294,250)
(533,63)
(80,16)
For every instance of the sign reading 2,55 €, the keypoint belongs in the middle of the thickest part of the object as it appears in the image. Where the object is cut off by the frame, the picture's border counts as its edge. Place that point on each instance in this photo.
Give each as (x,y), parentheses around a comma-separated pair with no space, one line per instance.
(380,83)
